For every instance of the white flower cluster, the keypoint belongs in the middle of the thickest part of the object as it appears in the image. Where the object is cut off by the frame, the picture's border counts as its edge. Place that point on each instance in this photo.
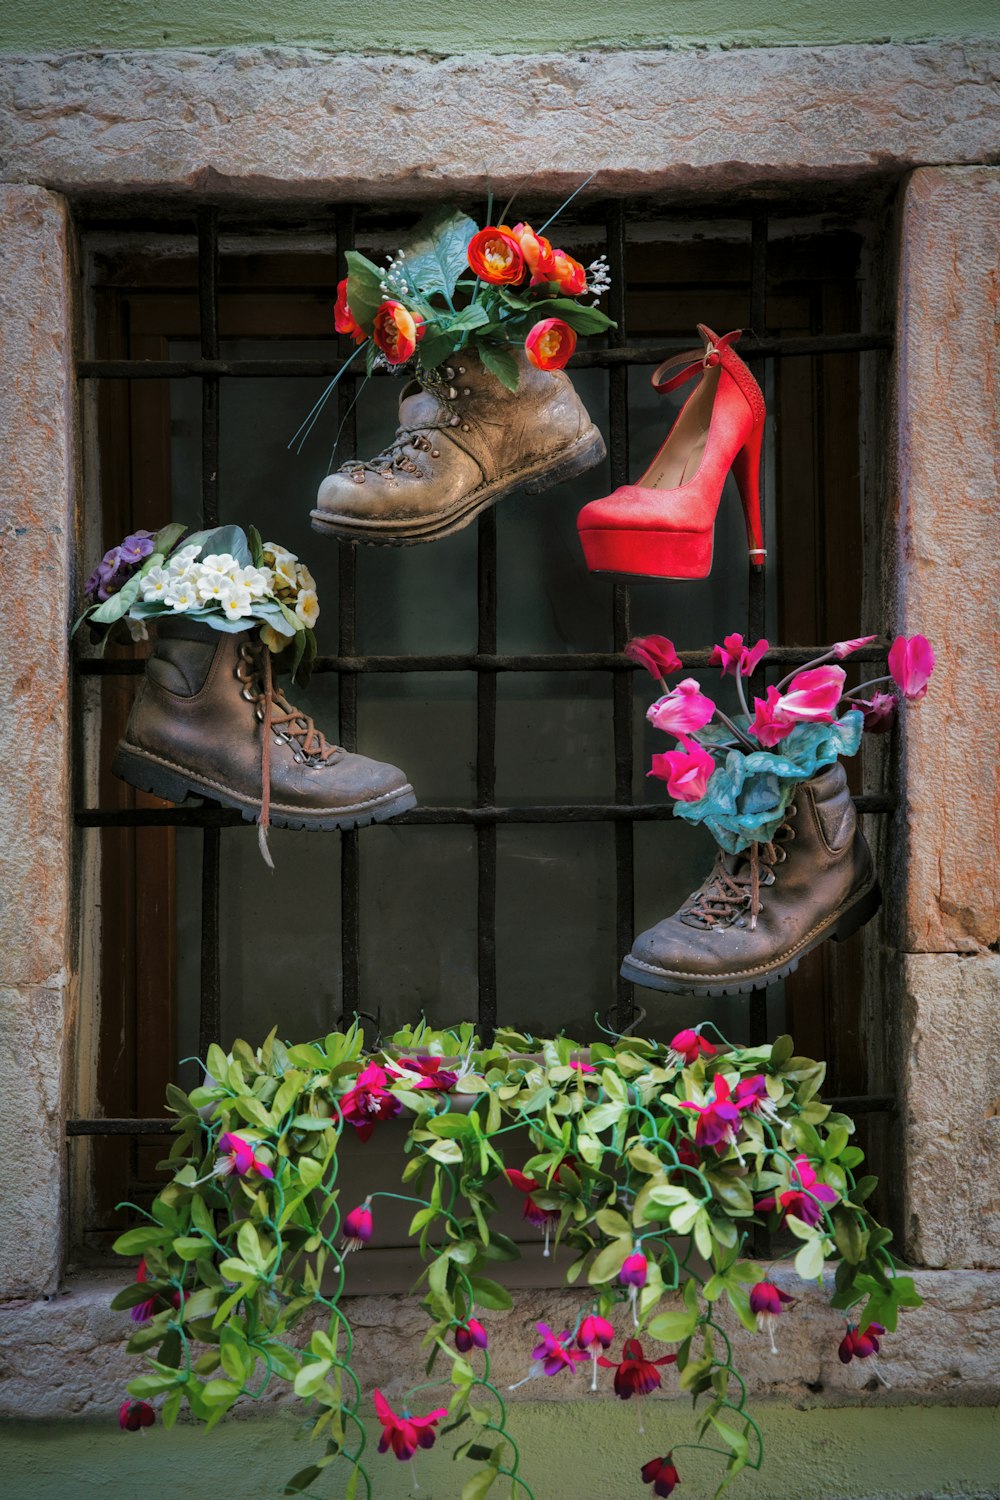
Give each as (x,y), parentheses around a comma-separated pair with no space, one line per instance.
(598,277)
(292,583)
(185,583)
(396,280)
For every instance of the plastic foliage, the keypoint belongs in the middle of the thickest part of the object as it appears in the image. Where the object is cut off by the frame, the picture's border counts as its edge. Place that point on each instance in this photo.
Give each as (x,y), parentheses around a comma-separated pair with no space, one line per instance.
(648,1165)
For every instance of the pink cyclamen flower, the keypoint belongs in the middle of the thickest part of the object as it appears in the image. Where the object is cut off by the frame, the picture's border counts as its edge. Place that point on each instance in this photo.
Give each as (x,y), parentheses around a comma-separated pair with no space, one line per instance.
(358,1226)
(369,1101)
(662,1475)
(855,1345)
(470,1335)
(687,771)
(236,1154)
(656,653)
(767,726)
(405,1433)
(635,1375)
(132,1415)
(555,1354)
(844,648)
(879,711)
(683,710)
(768,1302)
(751,1095)
(911,662)
(719,1119)
(812,697)
(735,658)
(687,1046)
(805,1196)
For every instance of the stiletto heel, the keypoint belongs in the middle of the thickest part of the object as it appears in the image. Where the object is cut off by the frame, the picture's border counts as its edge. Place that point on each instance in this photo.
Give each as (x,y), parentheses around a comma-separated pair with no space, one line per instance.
(663,525)
(746,472)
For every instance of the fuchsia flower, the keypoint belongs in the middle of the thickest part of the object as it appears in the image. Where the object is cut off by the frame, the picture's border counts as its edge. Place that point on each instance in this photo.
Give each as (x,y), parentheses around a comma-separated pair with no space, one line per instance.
(144,1311)
(683,710)
(404,1434)
(635,1375)
(768,1302)
(805,1197)
(662,1475)
(542,1218)
(424,1073)
(736,659)
(687,771)
(369,1101)
(687,1046)
(236,1154)
(135,1414)
(855,1345)
(358,1226)
(911,662)
(470,1335)
(879,711)
(844,648)
(556,1354)
(634,1271)
(718,1120)
(751,1095)
(594,1333)
(656,653)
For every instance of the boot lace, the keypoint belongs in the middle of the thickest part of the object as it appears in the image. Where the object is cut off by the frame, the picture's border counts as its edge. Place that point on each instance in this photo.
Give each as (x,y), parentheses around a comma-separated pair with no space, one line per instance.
(727,894)
(279,717)
(399,453)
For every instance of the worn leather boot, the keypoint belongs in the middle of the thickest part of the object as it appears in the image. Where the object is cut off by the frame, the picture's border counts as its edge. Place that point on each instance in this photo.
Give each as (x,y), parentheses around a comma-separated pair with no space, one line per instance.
(208,722)
(760,911)
(463,442)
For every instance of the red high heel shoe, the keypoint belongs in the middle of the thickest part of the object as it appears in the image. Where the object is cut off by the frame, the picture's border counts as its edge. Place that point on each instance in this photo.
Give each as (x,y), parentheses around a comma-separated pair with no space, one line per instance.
(663,526)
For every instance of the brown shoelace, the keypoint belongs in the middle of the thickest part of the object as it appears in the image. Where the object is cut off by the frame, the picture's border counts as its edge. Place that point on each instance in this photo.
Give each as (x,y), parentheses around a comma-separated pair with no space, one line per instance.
(725,895)
(280,717)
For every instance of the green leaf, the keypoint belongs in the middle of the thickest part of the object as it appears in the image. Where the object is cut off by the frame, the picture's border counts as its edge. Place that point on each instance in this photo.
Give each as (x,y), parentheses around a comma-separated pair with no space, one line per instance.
(119,604)
(219,539)
(303,1479)
(490,1294)
(810,1260)
(480,1484)
(136,1241)
(438,346)
(578,315)
(611,1222)
(311,1377)
(609,1262)
(470,317)
(782,1049)
(436,253)
(364,291)
(672,1327)
(500,362)
(848,1235)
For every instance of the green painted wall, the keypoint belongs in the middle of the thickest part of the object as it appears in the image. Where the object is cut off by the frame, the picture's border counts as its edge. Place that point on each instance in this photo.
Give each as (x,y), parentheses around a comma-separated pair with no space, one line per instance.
(579,1451)
(514,25)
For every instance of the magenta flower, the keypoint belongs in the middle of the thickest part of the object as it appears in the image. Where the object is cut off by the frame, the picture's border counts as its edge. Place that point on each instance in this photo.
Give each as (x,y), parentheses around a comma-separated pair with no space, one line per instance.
(687,771)
(718,1120)
(470,1335)
(656,653)
(879,711)
(144,1311)
(844,648)
(635,1375)
(855,1345)
(911,662)
(542,1218)
(768,1302)
(358,1226)
(735,658)
(687,1046)
(804,1197)
(683,710)
(424,1073)
(236,1154)
(812,697)
(634,1271)
(369,1101)
(406,1433)
(662,1475)
(556,1354)
(767,725)
(135,1414)
(752,1096)
(594,1333)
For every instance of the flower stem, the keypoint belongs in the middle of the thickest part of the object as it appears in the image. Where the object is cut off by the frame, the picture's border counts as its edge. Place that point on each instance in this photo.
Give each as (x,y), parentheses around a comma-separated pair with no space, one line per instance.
(872,682)
(817,661)
(734,730)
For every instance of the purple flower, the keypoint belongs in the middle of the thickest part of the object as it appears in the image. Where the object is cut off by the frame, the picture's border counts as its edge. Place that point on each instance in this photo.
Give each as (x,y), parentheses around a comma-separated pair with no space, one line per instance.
(470,1335)
(768,1302)
(136,546)
(805,1197)
(879,711)
(556,1354)
(718,1120)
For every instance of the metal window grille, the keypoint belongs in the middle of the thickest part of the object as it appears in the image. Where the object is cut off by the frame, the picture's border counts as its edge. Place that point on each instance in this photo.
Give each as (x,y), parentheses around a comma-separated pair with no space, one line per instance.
(209,369)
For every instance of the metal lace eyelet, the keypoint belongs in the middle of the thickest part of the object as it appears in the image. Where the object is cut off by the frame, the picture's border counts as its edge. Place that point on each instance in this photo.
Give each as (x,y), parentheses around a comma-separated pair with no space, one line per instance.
(453,421)
(461,369)
(435,453)
(358,478)
(467,390)
(452,393)
(259,713)
(448,373)
(465,427)
(248,693)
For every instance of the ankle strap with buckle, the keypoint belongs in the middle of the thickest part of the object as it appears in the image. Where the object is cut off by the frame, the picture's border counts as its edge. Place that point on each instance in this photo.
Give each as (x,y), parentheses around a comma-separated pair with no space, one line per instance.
(693,362)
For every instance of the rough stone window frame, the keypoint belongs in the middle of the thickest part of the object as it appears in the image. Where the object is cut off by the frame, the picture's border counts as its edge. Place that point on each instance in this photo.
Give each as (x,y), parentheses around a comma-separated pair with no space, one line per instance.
(270,120)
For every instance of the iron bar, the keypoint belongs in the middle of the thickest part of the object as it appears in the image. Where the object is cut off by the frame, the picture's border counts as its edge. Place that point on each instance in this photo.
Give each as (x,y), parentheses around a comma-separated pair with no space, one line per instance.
(562,661)
(486,741)
(621,686)
(756,590)
(590,359)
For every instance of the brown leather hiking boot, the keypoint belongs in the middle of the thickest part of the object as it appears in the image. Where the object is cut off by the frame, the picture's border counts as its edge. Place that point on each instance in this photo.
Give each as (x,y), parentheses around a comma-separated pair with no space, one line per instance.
(760,911)
(197,728)
(464,442)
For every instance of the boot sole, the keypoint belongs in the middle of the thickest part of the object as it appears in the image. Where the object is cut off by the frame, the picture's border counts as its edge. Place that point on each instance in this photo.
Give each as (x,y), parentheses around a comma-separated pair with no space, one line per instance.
(571,462)
(840,927)
(173,784)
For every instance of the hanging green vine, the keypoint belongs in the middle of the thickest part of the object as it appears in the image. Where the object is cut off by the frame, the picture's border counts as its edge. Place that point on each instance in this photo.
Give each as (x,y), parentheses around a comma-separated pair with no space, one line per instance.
(622,1150)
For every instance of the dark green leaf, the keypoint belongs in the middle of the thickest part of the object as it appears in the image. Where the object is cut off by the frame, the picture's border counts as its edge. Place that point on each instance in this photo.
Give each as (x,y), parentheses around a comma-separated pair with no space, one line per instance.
(364,291)
(501,363)
(490,1294)
(436,253)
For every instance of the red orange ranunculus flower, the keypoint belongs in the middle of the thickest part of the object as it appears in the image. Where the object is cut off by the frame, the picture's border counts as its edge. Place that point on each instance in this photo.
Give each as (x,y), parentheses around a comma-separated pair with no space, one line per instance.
(569,273)
(538,254)
(495,256)
(397,331)
(343,319)
(550,344)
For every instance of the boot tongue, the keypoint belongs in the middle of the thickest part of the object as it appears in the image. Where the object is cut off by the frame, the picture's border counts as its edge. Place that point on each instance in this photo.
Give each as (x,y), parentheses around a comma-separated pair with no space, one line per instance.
(182,656)
(420,408)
